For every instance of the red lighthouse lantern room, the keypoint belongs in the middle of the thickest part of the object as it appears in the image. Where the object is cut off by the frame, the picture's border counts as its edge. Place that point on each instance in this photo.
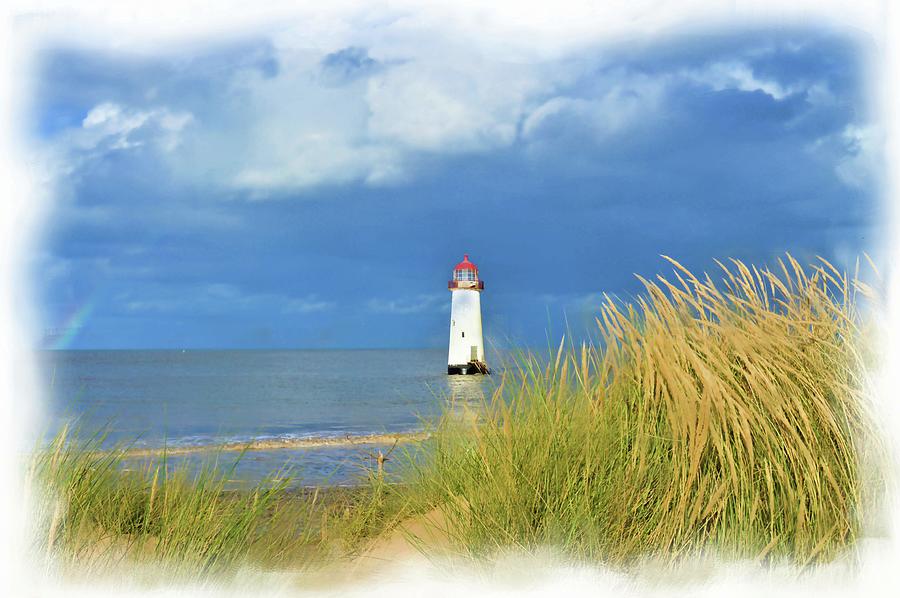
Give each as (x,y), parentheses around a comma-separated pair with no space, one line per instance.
(465,276)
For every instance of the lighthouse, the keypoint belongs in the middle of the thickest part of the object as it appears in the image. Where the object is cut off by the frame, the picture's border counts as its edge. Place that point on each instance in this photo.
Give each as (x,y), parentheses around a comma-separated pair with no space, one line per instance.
(466,354)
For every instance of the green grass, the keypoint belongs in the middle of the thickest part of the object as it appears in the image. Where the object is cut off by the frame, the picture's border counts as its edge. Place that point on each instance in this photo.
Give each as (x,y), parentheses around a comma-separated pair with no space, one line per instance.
(98,511)
(725,417)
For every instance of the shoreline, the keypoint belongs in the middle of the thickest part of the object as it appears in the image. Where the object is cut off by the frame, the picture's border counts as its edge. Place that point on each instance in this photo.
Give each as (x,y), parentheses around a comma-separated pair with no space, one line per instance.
(279,444)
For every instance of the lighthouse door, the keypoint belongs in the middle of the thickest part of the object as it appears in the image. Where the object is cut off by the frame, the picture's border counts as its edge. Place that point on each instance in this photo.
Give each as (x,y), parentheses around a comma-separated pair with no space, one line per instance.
(474,353)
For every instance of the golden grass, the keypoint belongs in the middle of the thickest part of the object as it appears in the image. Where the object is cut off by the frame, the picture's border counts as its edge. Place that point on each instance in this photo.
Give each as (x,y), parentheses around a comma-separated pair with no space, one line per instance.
(727,417)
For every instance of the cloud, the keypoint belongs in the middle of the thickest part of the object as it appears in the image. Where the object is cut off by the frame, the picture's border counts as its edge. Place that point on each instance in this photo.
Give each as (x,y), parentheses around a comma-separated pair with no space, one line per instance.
(621,101)
(119,128)
(108,121)
(734,74)
(373,105)
(306,305)
(861,162)
(347,117)
(855,152)
(410,305)
(292,131)
(218,298)
(109,128)
(437,106)
(373,128)
(347,65)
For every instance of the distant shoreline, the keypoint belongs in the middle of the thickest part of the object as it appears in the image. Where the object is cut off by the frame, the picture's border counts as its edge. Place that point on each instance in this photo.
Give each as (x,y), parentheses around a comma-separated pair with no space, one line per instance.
(280,444)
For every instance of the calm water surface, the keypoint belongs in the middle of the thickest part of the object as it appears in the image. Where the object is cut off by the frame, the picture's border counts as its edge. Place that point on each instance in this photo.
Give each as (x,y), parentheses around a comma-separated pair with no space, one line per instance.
(197,398)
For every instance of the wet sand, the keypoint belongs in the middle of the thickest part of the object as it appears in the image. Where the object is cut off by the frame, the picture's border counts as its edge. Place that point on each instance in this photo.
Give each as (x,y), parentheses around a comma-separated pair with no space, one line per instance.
(281,443)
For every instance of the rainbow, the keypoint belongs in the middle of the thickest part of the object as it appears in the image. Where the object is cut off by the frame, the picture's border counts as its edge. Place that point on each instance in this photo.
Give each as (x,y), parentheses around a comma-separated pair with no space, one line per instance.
(73,324)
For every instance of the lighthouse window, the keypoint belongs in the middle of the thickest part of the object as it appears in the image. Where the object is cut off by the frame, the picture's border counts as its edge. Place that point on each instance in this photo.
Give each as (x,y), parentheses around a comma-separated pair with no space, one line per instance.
(464,275)
(464,334)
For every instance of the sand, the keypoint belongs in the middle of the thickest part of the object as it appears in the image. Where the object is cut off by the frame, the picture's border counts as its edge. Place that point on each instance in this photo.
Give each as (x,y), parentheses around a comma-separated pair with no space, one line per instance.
(280,443)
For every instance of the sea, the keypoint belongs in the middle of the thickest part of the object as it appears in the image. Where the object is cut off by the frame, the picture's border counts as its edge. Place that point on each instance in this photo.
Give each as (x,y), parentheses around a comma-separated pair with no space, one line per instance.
(314,405)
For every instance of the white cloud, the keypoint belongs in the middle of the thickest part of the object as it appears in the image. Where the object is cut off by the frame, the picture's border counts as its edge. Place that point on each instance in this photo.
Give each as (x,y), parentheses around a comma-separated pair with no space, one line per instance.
(625,100)
(856,152)
(296,130)
(436,106)
(290,131)
(116,127)
(108,127)
(108,121)
(861,162)
(738,75)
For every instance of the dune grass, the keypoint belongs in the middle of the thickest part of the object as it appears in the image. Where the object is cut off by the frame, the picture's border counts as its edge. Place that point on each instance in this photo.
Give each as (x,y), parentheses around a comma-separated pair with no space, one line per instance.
(710,417)
(726,417)
(100,510)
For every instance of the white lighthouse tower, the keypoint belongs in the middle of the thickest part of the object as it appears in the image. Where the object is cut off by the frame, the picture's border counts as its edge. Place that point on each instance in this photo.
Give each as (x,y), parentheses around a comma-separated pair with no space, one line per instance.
(466,354)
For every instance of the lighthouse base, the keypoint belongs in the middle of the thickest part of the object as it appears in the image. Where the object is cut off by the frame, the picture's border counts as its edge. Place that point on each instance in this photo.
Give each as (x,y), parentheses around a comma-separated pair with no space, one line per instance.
(473,367)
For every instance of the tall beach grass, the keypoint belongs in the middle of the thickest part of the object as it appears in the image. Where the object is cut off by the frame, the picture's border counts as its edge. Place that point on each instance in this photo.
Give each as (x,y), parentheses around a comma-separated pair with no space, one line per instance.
(727,417)
(98,509)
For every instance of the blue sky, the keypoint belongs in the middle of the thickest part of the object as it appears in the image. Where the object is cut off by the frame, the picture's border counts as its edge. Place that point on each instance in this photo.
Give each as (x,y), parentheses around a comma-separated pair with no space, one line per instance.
(285,191)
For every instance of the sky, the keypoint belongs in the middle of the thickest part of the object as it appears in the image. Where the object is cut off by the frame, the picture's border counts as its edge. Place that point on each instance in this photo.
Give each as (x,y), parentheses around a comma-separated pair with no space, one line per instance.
(295,190)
